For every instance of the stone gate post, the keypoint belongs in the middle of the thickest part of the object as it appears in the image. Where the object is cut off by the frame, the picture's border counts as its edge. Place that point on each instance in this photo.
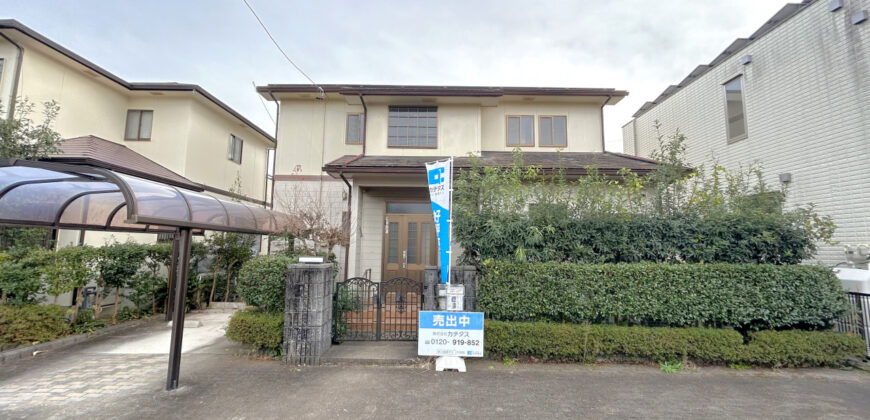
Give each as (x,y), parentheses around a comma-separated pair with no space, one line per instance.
(466,275)
(307,313)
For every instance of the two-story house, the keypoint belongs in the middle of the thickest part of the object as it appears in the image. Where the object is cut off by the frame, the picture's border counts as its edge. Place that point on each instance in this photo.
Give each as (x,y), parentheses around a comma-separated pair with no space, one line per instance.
(793,98)
(359,152)
(179,127)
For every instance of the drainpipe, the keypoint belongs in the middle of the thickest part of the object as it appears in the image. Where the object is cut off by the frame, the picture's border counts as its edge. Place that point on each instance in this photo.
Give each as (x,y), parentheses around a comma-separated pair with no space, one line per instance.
(602,122)
(365,123)
(275,157)
(14,93)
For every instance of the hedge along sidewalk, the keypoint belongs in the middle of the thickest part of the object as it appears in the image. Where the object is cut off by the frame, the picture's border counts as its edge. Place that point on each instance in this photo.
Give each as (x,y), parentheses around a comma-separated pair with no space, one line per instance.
(744,296)
(24,352)
(589,343)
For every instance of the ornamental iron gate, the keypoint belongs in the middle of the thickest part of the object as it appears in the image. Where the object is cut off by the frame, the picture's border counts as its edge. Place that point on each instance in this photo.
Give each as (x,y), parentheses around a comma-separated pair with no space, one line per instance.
(365,310)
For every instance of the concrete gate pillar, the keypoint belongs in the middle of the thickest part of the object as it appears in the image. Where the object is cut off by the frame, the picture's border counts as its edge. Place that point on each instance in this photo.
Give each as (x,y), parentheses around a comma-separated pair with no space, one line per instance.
(307,313)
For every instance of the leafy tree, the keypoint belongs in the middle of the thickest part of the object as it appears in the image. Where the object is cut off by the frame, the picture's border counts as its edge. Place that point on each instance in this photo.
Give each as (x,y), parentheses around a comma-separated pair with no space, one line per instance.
(22,138)
(229,250)
(117,264)
(19,282)
(69,268)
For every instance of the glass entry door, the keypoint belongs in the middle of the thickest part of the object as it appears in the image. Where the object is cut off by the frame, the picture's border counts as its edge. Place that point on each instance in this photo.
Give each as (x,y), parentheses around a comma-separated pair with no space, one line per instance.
(409,240)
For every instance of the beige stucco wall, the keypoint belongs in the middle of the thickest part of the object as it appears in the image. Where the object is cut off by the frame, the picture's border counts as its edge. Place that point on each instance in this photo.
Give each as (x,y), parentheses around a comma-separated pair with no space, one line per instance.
(805,98)
(312,133)
(583,119)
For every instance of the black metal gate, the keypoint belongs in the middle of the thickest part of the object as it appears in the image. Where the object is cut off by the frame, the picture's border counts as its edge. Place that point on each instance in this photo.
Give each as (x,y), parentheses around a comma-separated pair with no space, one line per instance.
(364,310)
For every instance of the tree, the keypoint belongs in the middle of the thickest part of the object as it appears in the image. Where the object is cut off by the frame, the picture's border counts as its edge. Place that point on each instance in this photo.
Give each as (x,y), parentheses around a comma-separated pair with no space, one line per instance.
(117,264)
(229,250)
(317,226)
(22,138)
(19,282)
(69,268)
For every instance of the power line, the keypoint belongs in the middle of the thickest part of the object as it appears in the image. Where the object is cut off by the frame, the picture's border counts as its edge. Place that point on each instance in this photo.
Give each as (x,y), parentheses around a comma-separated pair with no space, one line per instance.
(279,47)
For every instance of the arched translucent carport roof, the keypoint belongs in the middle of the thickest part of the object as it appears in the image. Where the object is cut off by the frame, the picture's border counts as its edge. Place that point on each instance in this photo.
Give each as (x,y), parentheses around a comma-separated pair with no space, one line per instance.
(66,196)
(69,196)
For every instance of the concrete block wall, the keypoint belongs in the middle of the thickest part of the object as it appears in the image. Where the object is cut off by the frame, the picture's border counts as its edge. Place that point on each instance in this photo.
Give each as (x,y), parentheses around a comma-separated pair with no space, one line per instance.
(308,313)
(806,102)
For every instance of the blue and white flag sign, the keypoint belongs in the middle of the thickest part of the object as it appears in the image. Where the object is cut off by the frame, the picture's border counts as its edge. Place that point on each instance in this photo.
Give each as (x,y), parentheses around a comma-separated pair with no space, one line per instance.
(440,175)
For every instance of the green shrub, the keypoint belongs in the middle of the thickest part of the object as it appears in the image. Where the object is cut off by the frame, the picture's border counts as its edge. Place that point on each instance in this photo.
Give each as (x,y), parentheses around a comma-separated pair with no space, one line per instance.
(19,283)
(262,330)
(744,296)
(587,343)
(28,324)
(262,281)
(552,235)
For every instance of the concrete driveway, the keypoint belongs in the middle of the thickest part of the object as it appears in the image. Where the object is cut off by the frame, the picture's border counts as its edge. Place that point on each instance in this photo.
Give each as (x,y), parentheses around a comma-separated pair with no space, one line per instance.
(122,376)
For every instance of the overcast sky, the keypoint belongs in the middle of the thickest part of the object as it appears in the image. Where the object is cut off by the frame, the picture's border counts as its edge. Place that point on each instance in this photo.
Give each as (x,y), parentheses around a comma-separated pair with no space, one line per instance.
(639,46)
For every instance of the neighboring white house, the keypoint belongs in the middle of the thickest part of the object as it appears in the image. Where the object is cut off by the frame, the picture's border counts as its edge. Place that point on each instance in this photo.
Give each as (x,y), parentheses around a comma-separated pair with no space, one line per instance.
(794,97)
(361,150)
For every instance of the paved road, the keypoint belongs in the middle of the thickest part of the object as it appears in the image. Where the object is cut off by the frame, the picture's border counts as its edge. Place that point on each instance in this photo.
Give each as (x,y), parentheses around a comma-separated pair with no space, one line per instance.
(94,381)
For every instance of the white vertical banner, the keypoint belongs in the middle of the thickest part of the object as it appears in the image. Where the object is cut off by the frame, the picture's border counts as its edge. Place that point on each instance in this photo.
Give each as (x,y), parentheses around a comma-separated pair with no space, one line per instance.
(440,175)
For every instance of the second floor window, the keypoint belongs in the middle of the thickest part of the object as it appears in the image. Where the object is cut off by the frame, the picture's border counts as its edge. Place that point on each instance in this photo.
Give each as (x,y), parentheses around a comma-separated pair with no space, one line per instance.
(413,126)
(520,130)
(736,123)
(355,127)
(235,152)
(138,124)
(554,131)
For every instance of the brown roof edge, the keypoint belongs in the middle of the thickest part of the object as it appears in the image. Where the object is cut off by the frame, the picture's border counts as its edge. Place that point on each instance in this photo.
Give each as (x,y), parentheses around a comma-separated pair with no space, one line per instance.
(431,90)
(20,27)
(628,156)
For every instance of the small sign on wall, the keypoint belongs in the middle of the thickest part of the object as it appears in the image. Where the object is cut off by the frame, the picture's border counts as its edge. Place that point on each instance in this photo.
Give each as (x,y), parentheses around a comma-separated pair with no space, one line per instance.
(455,298)
(443,333)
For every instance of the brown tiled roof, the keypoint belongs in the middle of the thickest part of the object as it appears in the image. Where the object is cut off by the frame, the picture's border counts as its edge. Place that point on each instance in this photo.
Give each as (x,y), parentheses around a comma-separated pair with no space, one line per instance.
(95,151)
(574,163)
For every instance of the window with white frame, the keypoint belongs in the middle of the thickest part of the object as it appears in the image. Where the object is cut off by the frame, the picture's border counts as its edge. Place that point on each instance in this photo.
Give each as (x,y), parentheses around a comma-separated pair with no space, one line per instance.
(355,127)
(554,130)
(734,109)
(139,124)
(520,130)
(235,151)
(413,126)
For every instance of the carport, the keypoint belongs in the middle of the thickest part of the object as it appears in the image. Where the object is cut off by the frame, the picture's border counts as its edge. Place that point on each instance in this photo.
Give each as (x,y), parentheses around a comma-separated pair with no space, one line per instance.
(84,197)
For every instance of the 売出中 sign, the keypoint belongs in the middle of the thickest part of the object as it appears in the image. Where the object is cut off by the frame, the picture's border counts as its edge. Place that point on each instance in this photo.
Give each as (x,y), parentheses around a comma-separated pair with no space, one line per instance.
(450,334)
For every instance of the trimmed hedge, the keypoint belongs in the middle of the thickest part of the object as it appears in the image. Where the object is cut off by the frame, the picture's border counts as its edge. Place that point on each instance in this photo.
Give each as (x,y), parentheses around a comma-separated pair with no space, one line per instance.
(744,296)
(588,343)
(262,330)
(262,281)
(551,233)
(22,325)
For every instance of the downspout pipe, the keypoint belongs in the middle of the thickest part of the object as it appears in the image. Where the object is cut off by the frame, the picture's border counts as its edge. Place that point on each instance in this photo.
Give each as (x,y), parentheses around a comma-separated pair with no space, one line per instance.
(365,123)
(347,248)
(609,97)
(14,94)
(274,160)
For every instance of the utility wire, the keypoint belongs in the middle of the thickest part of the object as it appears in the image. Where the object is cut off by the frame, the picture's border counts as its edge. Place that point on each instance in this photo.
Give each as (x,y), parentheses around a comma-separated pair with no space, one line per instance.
(266,107)
(279,47)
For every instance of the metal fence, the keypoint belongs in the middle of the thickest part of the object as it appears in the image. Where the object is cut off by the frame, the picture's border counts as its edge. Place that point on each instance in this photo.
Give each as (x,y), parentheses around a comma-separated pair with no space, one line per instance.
(857,320)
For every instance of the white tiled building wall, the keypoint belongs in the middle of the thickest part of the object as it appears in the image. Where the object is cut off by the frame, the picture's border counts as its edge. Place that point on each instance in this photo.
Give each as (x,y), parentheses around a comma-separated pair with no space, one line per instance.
(807,102)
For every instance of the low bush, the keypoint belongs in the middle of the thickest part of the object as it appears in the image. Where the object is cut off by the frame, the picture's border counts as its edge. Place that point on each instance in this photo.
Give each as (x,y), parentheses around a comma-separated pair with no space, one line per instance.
(744,296)
(22,325)
(588,343)
(262,281)
(263,331)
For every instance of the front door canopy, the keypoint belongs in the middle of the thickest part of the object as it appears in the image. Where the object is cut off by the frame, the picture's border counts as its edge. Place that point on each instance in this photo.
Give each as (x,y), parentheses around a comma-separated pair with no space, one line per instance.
(68,196)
